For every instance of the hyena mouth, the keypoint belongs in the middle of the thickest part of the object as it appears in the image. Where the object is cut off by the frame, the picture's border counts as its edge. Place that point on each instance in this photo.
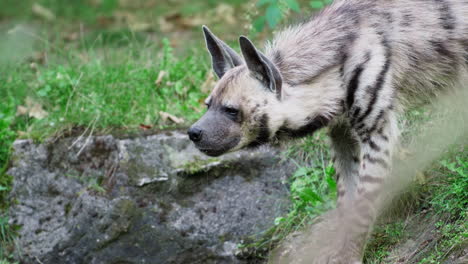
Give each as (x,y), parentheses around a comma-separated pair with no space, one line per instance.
(212,152)
(215,150)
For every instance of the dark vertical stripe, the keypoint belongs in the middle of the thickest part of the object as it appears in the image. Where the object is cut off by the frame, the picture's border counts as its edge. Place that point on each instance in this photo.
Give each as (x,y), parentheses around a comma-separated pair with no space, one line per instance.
(376,122)
(354,81)
(379,83)
(353,85)
(447,18)
(373,145)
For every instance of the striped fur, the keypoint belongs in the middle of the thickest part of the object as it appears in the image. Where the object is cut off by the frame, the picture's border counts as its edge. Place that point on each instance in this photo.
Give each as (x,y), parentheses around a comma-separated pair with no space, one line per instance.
(353,67)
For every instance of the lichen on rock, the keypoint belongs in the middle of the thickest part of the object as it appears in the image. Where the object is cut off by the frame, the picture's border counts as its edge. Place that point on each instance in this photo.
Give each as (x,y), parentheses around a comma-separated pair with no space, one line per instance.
(138,200)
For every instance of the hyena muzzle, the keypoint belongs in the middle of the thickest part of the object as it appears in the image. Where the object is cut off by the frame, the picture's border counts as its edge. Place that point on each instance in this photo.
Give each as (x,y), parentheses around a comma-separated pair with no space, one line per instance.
(353,68)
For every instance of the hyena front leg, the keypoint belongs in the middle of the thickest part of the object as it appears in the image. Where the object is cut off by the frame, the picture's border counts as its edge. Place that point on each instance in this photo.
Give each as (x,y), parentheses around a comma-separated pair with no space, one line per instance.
(363,163)
(345,156)
(370,103)
(360,213)
(377,135)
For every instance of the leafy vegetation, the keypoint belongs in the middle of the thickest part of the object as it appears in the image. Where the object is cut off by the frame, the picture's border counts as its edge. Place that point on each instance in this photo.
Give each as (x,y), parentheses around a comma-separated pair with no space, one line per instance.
(108,91)
(443,198)
(6,238)
(385,238)
(94,84)
(275,10)
(450,200)
(313,192)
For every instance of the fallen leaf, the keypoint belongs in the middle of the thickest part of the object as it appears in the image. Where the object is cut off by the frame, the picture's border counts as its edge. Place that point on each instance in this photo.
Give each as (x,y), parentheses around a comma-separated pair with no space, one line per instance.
(164,25)
(95,3)
(209,83)
(32,109)
(421,177)
(225,12)
(198,110)
(404,153)
(105,21)
(37,112)
(21,110)
(22,134)
(161,75)
(145,127)
(33,66)
(132,4)
(133,22)
(140,27)
(148,119)
(166,116)
(39,57)
(175,21)
(70,37)
(43,12)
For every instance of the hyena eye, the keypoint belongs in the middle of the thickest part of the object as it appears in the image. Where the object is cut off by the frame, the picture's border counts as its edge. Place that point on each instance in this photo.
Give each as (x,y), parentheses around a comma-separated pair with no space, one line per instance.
(233,112)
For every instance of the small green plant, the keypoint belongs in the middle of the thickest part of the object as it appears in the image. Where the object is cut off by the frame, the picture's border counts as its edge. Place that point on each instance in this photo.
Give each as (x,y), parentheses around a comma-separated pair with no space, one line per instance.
(444,197)
(96,186)
(312,192)
(6,137)
(4,261)
(6,236)
(455,187)
(450,200)
(313,188)
(319,4)
(275,10)
(198,165)
(119,91)
(384,238)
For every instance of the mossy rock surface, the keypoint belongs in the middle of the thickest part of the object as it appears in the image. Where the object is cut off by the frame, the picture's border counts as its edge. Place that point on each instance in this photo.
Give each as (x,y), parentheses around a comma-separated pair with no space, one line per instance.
(149,199)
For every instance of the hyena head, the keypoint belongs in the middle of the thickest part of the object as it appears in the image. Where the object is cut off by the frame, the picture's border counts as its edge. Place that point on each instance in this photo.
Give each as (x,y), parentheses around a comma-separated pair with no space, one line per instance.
(247,90)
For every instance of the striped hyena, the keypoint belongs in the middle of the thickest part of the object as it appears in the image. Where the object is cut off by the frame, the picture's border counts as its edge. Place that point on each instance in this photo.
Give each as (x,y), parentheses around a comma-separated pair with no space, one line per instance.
(353,68)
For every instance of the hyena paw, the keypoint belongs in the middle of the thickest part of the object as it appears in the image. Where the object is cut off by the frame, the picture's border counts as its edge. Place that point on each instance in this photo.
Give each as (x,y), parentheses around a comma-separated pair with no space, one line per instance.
(329,241)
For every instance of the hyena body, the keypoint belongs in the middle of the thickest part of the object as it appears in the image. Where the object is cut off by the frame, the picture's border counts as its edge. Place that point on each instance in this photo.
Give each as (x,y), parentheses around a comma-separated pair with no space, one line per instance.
(353,67)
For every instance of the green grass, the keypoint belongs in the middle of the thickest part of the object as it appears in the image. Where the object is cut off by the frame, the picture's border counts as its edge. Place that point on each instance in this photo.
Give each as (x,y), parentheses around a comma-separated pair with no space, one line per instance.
(450,200)
(89,90)
(7,234)
(91,11)
(384,238)
(7,262)
(109,92)
(110,79)
(312,192)
(442,197)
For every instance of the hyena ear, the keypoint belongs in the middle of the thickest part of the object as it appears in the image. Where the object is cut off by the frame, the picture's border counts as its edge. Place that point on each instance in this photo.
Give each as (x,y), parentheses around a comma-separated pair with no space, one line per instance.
(223,57)
(262,68)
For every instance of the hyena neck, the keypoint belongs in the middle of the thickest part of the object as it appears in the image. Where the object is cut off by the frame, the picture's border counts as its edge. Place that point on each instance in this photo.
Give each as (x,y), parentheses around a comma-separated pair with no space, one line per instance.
(310,58)
(305,108)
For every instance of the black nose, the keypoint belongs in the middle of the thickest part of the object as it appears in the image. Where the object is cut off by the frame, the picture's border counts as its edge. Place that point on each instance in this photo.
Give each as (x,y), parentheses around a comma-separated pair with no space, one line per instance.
(195,134)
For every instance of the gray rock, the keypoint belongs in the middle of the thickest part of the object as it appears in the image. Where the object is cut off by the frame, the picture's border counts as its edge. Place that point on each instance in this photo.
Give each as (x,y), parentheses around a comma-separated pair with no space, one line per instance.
(152,199)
